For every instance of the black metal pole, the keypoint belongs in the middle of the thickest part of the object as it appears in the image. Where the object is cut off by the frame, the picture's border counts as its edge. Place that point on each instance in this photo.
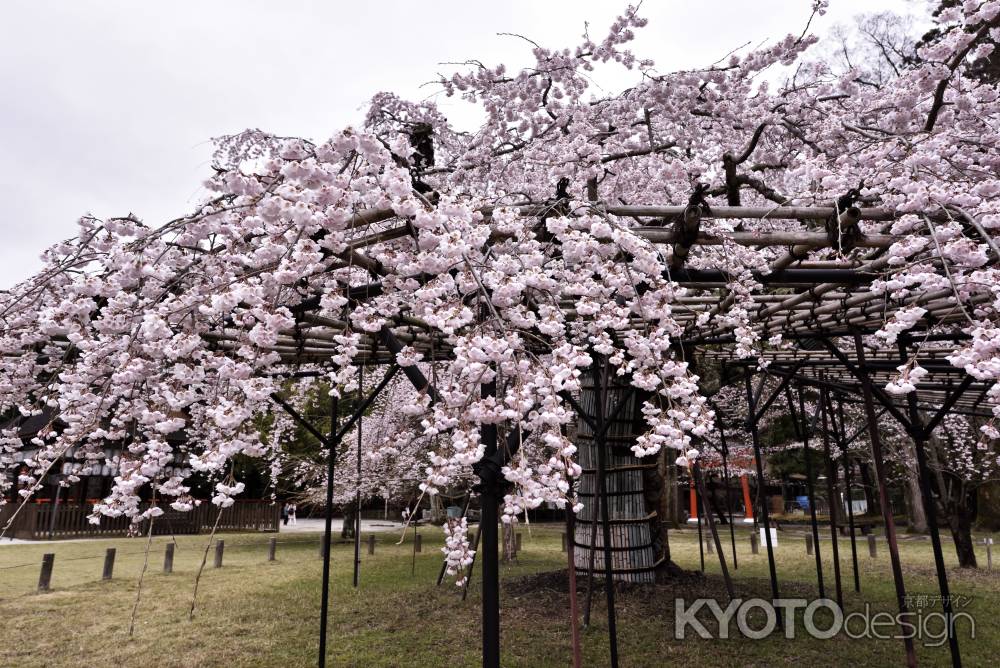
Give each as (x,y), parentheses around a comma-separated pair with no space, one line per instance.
(846,464)
(812,495)
(831,492)
(883,495)
(764,512)
(331,458)
(357,488)
(919,436)
(697,517)
(489,501)
(591,556)
(700,484)
(729,499)
(600,368)
(475,551)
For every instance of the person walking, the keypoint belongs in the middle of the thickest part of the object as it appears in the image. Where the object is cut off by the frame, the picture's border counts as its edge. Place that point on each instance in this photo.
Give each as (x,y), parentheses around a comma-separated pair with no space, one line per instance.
(284,514)
(292,509)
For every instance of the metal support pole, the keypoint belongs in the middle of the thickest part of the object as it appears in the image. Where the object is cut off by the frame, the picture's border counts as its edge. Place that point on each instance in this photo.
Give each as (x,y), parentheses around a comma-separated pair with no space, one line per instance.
(697,504)
(920,436)
(331,459)
(475,552)
(591,557)
(490,501)
(729,500)
(601,378)
(831,492)
(810,488)
(357,490)
(765,513)
(696,471)
(846,464)
(574,617)
(883,493)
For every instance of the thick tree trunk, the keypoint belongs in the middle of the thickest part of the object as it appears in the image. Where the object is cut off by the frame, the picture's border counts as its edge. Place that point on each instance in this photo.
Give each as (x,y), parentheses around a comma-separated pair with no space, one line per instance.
(916,517)
(960,524)
(636,553)
(350,513)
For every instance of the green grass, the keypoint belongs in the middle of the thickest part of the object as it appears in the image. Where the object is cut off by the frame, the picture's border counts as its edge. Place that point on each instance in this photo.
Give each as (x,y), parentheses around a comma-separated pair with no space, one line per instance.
(255,613)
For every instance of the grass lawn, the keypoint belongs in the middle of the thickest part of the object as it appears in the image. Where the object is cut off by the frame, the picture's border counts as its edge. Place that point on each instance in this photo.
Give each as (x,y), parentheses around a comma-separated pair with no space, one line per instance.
(255,613)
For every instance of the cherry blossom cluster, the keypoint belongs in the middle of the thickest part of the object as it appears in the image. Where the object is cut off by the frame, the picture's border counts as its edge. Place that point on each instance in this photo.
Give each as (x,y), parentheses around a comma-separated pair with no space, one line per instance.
(498,262)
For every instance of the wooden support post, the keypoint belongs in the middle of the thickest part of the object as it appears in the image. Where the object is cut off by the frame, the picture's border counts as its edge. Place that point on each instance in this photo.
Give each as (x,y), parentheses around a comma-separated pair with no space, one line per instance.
(989,553)
(418,545)
(564,549)
(168,558)
(109,563)
(754,547)
(872,546)
(708,545)
(517,542)
(45,577)
(371,544)
(272,548)
(809,544)
(220,547)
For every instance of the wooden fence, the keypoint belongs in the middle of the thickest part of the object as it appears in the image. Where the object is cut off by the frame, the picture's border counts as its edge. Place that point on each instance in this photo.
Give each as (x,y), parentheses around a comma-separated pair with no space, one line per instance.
(71,520)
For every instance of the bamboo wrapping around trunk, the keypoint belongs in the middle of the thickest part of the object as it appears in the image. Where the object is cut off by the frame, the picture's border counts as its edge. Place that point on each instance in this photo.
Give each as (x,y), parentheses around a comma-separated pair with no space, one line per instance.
(633,557)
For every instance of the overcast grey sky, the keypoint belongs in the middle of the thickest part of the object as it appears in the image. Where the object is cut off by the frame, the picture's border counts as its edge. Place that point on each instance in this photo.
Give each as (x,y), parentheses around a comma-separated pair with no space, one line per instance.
(108,106)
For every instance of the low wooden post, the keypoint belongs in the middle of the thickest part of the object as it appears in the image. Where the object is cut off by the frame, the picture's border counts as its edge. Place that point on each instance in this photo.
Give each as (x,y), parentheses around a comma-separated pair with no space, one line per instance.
(709,545)
(517,542)
(418,543)
(371,544)
(109,563)
(872,546)
(753,544)
(45,577)
(564,542)
(219,548)
(272,548)
(168,559)
(322,549)
(989,553)
(809,544)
